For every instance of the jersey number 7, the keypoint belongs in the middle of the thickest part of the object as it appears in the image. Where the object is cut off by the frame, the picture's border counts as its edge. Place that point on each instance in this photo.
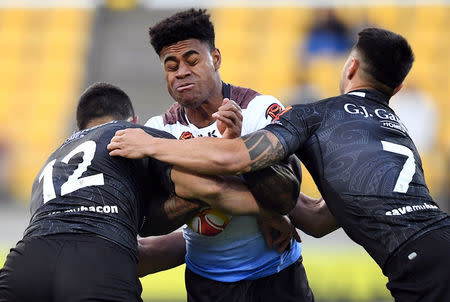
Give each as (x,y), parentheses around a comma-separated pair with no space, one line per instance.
(75,181)
(409,168)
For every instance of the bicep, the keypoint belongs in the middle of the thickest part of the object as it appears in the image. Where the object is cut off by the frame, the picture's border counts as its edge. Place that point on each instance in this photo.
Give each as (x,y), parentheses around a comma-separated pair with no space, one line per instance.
(194,186)
(226,193)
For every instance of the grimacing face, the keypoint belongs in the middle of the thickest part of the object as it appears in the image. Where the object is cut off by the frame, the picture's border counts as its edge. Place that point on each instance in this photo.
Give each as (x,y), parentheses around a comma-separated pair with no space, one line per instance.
(191,71)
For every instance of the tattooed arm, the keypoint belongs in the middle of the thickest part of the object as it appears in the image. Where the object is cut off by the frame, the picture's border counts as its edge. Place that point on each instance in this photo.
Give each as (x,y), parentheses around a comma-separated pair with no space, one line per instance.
(164,216)
(276,187)
(226,193)
(202,155)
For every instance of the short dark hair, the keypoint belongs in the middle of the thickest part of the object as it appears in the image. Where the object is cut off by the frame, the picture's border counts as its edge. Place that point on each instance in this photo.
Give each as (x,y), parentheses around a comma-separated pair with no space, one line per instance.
(101,100)
(189,24)
(387,55)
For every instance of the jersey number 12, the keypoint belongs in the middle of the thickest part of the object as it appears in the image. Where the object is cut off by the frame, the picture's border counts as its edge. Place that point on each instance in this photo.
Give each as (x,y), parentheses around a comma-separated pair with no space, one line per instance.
(75,181)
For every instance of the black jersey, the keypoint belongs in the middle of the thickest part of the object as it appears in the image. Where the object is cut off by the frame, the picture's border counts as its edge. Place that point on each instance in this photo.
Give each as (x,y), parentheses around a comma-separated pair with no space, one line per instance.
(365,166)
(81,189)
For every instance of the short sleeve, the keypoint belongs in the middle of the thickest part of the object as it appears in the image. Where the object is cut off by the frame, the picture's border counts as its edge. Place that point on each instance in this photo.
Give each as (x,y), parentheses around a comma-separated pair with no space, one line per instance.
(290,128)
(260,112)
(155,122)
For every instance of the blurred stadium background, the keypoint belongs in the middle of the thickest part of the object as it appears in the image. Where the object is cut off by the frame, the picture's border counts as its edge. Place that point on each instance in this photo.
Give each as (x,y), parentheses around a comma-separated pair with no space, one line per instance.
(51,50)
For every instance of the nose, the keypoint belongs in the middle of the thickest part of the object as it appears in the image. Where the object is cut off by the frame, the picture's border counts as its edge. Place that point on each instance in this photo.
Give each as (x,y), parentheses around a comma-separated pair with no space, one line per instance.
(183,71)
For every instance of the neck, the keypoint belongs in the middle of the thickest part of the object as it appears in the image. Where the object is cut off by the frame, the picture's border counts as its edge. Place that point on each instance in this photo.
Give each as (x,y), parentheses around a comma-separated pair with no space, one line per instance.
(201,116)
(360,86)
(98,121)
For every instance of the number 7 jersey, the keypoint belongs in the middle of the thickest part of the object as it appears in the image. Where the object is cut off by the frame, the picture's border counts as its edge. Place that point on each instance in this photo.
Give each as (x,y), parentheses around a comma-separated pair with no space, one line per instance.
(366,167)
(81,189)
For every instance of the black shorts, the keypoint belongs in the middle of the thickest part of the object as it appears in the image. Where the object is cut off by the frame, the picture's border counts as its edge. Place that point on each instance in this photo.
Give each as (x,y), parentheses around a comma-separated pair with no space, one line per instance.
(69,268)
(420,271)
(288,285)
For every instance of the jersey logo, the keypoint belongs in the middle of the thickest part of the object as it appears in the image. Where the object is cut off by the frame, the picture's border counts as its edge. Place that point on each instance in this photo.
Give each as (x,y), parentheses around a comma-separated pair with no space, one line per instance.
(273,110)
(281,113)
(186,135)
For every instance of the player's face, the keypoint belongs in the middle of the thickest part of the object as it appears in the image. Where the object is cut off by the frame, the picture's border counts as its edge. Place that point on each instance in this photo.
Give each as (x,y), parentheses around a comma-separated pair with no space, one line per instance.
(191,71)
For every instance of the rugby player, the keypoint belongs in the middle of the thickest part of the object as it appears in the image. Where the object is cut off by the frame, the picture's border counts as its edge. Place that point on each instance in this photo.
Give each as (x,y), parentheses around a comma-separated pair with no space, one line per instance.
(236,261)
(361,158)
(88,208)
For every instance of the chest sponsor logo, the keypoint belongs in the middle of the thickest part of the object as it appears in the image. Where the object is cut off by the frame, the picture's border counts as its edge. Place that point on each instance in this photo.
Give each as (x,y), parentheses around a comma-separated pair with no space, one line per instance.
(97,209)
(273,111)
(388,120)
(409,209)
(186,135)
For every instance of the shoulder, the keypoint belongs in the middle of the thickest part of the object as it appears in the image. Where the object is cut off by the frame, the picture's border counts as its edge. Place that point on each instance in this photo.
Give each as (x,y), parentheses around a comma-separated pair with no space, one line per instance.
(156,132)
(242,96)
(172,116)
(268,104)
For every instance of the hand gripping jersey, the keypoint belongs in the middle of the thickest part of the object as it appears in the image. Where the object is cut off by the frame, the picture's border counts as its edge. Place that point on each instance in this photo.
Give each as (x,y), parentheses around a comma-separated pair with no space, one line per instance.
(366,167)
(239,251)
(81,189)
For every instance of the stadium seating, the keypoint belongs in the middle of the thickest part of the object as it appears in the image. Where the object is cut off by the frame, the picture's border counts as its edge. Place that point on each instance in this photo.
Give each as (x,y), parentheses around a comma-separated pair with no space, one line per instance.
(260,50)
(42,59)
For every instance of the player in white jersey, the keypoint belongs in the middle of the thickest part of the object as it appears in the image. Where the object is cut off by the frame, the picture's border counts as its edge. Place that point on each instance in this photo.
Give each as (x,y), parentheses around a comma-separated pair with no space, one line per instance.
(234,264)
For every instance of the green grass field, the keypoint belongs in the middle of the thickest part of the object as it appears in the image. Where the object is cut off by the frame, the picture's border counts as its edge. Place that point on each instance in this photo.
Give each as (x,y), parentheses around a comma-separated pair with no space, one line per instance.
(334,275)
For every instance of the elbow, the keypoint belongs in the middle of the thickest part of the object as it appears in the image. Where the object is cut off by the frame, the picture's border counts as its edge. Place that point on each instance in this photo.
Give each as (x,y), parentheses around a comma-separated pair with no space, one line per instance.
(286,207)
(317,233)
(212,191)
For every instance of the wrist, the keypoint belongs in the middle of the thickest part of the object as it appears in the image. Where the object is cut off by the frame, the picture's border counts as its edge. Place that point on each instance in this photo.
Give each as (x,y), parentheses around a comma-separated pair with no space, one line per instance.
(149,146)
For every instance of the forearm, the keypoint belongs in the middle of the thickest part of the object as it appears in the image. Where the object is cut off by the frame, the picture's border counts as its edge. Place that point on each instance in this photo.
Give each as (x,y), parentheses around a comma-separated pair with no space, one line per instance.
(160,253)
(226,193)
(203,155)
(167,216)
(313,217)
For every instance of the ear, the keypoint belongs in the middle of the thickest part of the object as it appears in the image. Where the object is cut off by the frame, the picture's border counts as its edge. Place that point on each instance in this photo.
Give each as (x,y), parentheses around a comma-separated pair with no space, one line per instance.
(353,68)
(134,120)
(397,89)
(217,58)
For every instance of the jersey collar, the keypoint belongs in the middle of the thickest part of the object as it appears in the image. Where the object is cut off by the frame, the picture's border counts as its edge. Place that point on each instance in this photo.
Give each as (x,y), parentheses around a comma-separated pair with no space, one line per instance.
(371,94)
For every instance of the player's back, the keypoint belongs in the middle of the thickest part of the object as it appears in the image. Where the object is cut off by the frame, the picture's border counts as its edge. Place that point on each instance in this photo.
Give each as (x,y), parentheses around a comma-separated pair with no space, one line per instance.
(81,189)
(366,167)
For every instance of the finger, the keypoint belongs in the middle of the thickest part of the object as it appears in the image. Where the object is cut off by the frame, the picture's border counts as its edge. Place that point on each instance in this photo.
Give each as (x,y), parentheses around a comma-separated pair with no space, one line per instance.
(297,236)
(229,123)
(283,245)
(267,235)
(283,237)
(116,152)
(236,106)
(112,146)
(116,138)
(229,115)
(120,132)
(231,106)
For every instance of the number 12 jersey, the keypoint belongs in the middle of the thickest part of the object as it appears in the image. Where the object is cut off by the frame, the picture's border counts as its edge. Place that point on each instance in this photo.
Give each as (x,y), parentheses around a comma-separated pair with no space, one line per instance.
(81,189)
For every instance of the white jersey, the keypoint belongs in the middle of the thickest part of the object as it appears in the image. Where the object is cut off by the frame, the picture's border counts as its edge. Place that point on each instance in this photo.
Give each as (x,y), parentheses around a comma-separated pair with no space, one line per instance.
(239,251)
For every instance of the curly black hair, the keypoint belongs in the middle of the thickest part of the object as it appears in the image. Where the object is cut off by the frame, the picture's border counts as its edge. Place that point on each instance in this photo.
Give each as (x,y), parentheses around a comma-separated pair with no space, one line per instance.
(189,24)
